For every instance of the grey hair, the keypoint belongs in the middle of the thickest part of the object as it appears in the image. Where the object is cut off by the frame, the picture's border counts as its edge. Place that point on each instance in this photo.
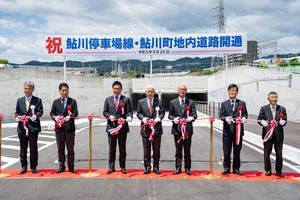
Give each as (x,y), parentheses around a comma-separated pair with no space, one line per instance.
(29,83)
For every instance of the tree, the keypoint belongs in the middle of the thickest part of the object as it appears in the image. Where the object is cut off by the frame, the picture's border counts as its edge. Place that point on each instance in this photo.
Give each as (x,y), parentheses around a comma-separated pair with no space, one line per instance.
(3,61)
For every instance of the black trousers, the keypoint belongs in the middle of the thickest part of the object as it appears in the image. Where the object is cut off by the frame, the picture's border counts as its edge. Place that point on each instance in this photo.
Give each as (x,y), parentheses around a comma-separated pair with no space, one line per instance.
(228,144)
(63,140)
(268,145)
(112,144)
(31,139)
(186,145)
(147,151)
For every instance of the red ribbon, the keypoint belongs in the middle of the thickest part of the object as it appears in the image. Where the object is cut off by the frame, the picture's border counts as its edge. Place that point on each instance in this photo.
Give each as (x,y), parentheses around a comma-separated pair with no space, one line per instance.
(151,123)
(122,106)
(24,120)
(182,127)
(1,117)
(238,125)
(115,131)
(60,120)
(272,126)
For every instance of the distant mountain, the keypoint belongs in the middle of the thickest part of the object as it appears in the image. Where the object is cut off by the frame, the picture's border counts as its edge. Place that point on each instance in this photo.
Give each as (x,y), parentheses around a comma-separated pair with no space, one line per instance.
(104,66)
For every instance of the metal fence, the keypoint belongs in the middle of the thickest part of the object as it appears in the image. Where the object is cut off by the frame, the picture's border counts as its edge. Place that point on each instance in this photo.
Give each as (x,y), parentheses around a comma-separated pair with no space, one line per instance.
(208,108)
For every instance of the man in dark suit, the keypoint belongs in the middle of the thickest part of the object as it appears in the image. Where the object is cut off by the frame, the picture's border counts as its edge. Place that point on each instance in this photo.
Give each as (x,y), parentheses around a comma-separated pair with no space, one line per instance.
(117,109)
(63,112)
(150,111)
(182,110)
(272,117)
(29,108)
(234,114)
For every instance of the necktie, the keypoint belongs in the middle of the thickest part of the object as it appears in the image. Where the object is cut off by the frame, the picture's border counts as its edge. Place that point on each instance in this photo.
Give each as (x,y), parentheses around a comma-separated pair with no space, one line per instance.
(182,105)
(27,104)
(150,106)
(63,105)
(232,105)
(116,102)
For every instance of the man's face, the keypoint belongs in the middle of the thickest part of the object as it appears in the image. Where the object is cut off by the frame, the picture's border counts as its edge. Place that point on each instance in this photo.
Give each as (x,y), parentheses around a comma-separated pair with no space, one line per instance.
(64,92)
(117,90)
(273,98)
(232,93)
(28,90)
(150,93)
(182,90)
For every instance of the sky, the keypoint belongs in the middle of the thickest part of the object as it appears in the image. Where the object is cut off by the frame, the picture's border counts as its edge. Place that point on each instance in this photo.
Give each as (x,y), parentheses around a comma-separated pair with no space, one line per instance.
(25,23)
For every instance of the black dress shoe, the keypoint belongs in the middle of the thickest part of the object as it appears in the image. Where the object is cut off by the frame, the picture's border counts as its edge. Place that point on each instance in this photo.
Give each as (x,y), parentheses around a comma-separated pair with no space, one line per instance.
(279,174)
(123,170)
(188,172)
(23,170)
(178,170)
(110,170)
(72,170)
(237,172)
(147,170)
(225,171)
(156,170)
(268,173)
(61,170)
(34,171)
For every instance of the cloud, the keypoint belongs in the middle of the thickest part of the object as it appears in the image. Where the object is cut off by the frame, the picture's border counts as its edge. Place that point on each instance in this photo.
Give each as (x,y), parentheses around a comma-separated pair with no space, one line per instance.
(24,23)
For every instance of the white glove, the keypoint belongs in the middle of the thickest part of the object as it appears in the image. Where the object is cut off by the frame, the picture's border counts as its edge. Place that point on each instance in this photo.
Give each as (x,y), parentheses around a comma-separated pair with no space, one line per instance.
(157,119)
(18,118)
(264,123)
(67,118)
(244,120)
(33,118)
(176,120)
(145,119)
(189,119)
(282,122)
(128,119)
(228,120)
(112,118)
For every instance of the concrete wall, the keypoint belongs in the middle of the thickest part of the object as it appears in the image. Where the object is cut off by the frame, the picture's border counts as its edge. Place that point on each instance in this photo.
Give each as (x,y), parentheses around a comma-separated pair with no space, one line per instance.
(256,95)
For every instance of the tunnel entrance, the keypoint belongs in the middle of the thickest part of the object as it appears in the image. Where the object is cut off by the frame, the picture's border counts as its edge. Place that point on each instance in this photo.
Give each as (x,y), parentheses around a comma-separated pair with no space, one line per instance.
(167,97)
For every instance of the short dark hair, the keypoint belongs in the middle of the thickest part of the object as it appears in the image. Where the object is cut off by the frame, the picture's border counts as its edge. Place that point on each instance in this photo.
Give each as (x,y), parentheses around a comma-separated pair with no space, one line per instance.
(61,85)
(117,83)
(233,86)
(272,93)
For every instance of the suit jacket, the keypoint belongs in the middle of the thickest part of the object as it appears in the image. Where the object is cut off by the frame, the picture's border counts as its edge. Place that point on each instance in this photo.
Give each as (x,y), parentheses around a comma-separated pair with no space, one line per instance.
(109,109)
(56,110)
(143,111)
(175,111)
(226,111)
(265,113)
(33,126)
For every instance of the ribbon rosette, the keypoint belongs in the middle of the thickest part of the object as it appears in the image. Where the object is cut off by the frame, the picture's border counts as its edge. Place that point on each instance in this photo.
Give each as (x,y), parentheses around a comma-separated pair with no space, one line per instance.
(115,131)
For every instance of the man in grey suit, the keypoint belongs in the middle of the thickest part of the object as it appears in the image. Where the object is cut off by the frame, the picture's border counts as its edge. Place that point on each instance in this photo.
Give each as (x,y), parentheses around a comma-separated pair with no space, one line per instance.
(234,114)
(29,108)
(272,115)
(150,111)
(117,108)
(182,112)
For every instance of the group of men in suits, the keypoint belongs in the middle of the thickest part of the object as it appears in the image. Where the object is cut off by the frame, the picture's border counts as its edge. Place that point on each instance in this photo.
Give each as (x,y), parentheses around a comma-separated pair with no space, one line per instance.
(272,117)
(29,110)
(150,111)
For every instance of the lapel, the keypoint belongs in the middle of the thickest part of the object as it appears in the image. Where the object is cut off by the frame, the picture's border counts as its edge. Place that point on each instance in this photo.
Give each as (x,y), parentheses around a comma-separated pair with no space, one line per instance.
(177,105)
(236,106)
(277,112)
(228,104)
(24,104)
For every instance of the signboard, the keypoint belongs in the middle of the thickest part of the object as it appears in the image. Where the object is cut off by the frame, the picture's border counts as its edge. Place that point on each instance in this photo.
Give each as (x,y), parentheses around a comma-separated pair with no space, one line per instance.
(169,44)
